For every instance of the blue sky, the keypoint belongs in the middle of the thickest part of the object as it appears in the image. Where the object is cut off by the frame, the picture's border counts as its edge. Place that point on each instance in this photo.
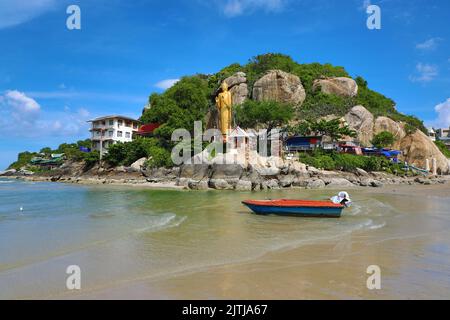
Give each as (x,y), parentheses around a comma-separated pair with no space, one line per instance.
(52,80)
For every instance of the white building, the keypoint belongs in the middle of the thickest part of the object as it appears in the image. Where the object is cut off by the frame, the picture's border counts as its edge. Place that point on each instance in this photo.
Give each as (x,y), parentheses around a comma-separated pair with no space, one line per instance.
(431,134)
(109,130)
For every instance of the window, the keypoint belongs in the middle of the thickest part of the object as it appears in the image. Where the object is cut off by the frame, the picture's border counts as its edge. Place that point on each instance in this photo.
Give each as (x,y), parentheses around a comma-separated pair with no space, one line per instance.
(111,122)
(120,122)
(127,135)
(119,134)
(135,125)
(110,133)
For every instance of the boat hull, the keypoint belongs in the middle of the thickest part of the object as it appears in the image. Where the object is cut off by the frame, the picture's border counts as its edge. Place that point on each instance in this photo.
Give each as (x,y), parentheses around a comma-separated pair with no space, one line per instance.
(307,209)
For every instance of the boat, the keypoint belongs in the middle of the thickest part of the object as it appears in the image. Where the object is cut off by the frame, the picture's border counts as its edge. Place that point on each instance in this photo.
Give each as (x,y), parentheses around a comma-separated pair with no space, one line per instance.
(303,208)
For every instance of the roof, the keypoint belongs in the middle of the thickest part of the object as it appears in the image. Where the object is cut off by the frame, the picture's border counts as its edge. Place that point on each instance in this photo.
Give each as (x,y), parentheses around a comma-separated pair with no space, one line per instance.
(148,128)
(114,116)
(238,132)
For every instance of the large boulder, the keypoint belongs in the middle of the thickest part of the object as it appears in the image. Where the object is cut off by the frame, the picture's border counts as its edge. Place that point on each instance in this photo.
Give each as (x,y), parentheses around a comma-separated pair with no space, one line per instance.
(341,86)
(138,165)
(315,184)
(361,120)
(194,171)
(280,86)
(338,183)
(244,185)
(389,125)
(226,171)
(237,85)
(417,147)
(220,184)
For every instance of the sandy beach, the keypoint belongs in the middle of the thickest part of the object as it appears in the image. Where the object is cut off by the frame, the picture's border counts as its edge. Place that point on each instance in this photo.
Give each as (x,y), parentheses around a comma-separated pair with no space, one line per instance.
(138,243)
(410,245)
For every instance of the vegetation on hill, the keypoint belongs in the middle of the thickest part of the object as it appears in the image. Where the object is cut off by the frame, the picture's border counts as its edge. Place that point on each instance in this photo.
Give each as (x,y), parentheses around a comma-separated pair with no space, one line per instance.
(349,162)
(127,153)
(71,151)
(332,129)
(192,99)
(383,139)
(441,145)
(269,114)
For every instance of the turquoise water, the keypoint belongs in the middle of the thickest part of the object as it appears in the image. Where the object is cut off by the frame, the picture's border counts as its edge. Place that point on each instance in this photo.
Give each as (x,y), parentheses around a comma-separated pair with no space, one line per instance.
(119,235)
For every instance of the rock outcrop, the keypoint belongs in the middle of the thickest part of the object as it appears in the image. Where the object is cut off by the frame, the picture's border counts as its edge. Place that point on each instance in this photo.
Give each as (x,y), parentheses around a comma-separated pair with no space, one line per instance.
(138,165)
(280,86)
(389,125)
(8,173)
(341,86)
(417,147)
(237,85)
(361,120)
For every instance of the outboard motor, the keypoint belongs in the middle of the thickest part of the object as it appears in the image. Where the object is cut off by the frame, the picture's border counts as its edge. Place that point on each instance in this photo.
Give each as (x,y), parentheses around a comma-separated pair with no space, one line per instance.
(342,198)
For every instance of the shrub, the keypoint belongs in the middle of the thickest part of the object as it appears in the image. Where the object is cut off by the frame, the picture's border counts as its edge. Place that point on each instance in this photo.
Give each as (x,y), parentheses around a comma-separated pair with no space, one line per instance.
(348,162)
(383,139)
(441,145)
(158,157)
(269,114)
(91,158)
(23,159)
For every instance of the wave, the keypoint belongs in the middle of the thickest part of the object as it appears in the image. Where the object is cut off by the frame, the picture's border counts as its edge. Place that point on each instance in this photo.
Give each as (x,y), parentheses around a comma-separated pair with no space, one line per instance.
(167,221)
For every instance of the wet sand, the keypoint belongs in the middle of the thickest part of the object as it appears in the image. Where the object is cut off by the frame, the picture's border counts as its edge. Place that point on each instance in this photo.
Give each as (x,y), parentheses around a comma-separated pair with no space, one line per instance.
(412,248)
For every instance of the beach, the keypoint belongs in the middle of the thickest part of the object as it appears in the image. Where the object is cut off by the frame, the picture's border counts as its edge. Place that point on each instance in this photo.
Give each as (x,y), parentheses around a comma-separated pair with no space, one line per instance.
(136,243)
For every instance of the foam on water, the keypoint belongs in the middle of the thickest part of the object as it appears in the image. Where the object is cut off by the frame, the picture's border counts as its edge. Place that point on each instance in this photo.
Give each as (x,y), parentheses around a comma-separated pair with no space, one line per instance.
(168,220)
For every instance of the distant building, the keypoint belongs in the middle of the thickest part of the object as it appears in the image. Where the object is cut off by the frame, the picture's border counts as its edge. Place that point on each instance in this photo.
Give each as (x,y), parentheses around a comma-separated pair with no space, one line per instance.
(108,130)
(298,143)
(444,136)
(431,134)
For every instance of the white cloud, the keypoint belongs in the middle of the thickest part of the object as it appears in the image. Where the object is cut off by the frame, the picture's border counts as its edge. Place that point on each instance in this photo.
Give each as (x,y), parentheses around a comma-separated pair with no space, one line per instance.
(166,84)
(443,115)
(15,12)
(22,116)
(424,73)
(234,8)
(429,44)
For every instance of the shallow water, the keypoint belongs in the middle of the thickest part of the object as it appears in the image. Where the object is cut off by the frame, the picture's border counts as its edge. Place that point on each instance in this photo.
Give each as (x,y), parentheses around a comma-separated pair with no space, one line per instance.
(122,237)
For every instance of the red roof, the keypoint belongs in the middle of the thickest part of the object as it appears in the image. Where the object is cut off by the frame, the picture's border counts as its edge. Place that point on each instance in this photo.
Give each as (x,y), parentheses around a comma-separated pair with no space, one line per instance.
(148,128)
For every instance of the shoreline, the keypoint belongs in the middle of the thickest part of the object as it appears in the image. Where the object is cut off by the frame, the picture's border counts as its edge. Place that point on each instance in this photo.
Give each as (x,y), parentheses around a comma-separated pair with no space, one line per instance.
(318,180)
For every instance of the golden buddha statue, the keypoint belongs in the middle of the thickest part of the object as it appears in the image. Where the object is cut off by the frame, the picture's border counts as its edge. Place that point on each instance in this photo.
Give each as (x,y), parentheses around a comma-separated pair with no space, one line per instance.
(223,103)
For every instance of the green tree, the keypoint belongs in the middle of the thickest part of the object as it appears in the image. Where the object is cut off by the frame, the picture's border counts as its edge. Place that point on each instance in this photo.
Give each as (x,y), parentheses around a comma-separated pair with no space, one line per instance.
(332,129)
(383,139)
(179,107)
(269,114)
(46,150)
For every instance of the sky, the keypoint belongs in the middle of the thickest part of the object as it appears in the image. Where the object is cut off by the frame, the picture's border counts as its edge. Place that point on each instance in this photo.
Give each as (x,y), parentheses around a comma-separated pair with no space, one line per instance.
(53,79)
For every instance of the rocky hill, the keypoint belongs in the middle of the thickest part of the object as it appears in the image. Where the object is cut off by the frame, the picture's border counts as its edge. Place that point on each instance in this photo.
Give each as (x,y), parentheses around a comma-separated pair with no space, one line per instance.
(316,91)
